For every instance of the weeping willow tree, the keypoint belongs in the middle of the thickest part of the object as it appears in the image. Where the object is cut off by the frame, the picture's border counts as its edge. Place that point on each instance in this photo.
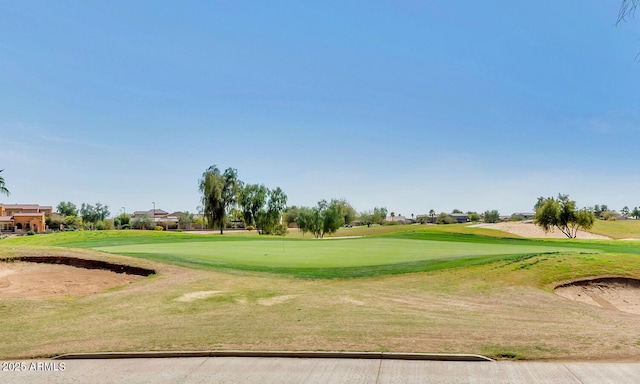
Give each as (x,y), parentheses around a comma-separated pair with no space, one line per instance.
(627,8)
(3,188)
(219,194)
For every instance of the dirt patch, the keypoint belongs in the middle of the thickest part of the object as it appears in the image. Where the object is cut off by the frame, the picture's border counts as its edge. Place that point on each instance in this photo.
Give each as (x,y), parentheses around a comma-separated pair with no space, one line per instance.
(31,280)
(191,296)
(276,300)
(528,229)
(619,294)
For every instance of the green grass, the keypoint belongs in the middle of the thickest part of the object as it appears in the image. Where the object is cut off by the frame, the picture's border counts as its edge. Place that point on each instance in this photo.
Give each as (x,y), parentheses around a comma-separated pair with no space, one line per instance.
(392,253)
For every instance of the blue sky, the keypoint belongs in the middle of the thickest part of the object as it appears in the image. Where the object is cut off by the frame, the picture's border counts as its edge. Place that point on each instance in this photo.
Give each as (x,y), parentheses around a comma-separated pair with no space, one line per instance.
(412,105)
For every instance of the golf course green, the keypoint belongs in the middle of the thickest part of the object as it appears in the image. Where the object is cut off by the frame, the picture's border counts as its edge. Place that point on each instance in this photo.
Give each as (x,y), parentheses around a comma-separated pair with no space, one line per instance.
(338,253)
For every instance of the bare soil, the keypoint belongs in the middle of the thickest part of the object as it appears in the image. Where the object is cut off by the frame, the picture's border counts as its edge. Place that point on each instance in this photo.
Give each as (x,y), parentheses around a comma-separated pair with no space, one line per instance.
(528,229)
(617,294)
(29,280)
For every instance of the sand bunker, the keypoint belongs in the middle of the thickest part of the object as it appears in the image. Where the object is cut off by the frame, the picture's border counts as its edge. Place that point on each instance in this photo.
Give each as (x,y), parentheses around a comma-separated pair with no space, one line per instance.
(528,229)
(620,294)
(32,277)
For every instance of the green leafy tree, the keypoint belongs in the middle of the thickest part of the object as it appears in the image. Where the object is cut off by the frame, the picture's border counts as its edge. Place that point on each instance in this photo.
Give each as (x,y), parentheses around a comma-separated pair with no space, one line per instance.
(88,213)
(124,219)
(185,219)
(456,211)
(67,208)
(635,213)
(561,213)
(252,199)
(625,210)
(71,223)
(323,219)
(474,217)
(269,218)
(377,216)
(445,218)
(54,221)
(348,211)
(492,216)
(219,194)
(102,211)
(290,214)
(143,222)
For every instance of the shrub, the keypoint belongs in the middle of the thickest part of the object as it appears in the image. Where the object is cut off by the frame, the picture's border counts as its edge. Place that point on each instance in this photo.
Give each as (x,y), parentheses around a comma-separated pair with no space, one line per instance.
(516,218)
(99,225)
(609,215)
(281,230)
(250,228)
(158,228)
(444,218)
(30,232)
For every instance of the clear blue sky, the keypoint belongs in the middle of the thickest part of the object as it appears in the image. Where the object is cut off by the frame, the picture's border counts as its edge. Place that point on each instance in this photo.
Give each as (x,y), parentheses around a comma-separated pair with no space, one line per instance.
(413,105)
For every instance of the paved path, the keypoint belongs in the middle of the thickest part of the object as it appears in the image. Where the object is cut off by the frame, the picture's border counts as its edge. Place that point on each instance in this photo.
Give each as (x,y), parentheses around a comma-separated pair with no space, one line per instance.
(314,370)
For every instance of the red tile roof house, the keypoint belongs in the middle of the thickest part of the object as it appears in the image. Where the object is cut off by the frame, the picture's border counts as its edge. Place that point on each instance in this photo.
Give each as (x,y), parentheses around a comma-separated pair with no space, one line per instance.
(23,217)
(159,217)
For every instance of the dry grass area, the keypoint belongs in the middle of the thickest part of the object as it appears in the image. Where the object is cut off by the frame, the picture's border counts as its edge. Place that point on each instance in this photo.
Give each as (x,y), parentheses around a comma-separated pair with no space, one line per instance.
(489,309)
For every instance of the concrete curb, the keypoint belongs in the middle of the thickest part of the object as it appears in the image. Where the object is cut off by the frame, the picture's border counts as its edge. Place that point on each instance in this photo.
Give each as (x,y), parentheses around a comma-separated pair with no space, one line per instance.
(289,354)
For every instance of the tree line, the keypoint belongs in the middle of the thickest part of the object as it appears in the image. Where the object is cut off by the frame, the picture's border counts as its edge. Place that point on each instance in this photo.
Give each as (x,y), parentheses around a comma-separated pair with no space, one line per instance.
(223,194)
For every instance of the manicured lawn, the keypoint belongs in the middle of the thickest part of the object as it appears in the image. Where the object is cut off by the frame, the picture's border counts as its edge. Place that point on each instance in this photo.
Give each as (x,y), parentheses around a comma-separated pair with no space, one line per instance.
(338,253)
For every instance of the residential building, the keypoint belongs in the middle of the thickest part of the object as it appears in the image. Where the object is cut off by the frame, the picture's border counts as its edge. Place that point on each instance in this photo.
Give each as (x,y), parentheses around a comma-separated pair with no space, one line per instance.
(23,217)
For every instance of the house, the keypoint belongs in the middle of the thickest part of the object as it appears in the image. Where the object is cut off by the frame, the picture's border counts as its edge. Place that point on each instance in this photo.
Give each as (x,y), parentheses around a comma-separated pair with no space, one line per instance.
(23,217)
(460,217)
(525,215)
(398,219)
(159,217)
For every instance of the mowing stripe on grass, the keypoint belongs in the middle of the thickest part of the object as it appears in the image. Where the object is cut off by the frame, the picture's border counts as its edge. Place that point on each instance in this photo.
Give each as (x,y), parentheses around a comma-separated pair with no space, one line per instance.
(364,252)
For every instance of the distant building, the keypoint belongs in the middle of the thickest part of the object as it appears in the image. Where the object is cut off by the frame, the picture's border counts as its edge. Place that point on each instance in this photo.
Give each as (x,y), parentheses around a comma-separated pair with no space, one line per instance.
(525,215)
(159,217)
(23,217)
(460,217)
(397,219)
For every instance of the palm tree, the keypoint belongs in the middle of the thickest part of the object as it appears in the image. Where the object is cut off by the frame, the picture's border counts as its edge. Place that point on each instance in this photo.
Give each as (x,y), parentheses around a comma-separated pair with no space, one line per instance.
(3,189)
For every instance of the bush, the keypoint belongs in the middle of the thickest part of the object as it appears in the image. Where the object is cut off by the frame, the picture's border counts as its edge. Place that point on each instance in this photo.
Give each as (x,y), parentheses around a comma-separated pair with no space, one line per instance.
(250,228)
(99,225)
(609,215)
(31,233)
(158,228)
(444,218)
(281,230)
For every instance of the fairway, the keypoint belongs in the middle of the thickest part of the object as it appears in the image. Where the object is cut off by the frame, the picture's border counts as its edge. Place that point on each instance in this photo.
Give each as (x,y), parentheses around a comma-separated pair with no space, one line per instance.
(339,253)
